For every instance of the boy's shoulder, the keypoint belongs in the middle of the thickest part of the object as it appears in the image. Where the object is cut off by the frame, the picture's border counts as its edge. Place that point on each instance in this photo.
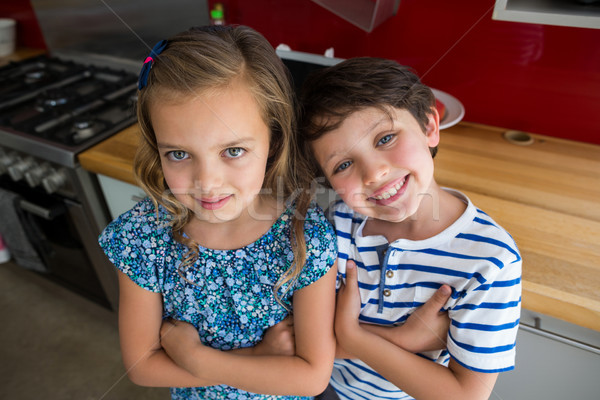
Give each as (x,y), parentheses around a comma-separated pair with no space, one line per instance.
(339,211)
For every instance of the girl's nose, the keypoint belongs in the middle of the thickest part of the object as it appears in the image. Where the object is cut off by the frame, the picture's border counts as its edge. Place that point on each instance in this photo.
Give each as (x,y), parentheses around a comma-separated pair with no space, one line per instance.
(207,177)
(374,170)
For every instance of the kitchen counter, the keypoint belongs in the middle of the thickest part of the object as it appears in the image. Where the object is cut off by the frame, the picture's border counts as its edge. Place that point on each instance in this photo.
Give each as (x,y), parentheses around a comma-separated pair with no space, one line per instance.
(20,54)
(546,194)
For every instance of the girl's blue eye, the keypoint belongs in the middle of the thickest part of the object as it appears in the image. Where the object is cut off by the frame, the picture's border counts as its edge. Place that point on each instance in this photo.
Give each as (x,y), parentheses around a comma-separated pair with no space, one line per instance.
(343,166)
(177,155)
(385,139)
(234,152)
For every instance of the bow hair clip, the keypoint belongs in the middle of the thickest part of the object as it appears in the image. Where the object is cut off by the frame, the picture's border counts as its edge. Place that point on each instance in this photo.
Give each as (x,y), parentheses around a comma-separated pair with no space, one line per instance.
(156,50)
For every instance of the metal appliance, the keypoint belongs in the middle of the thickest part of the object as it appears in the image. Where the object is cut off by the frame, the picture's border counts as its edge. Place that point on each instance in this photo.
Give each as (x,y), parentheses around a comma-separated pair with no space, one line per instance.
(50,110)
(53,107)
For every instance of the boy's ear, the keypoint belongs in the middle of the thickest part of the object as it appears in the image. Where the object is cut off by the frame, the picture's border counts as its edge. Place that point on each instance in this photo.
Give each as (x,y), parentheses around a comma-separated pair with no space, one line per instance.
(432,130)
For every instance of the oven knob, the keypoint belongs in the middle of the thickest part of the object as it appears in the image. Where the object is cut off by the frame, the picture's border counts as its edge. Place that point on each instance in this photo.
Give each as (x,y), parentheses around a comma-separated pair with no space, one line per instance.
(54,181)
(17,171)
(6,160)
(35,175)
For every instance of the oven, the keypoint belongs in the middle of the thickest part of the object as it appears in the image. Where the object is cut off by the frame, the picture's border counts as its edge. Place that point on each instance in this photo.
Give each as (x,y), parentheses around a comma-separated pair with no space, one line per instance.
(51,209)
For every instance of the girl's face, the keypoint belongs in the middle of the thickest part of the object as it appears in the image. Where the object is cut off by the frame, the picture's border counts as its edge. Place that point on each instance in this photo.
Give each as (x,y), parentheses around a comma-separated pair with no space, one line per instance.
(380,169)
(213,150)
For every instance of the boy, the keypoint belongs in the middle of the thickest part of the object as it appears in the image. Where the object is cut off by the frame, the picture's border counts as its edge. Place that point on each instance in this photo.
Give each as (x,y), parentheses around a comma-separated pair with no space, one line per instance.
(373,129)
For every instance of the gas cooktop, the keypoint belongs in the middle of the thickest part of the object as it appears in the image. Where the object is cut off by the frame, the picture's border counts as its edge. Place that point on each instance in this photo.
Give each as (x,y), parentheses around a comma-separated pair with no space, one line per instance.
(54,108)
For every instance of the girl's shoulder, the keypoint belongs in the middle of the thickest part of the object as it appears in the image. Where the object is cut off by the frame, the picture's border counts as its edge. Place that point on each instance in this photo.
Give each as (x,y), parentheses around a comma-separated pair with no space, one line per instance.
(314,217)
(143,219)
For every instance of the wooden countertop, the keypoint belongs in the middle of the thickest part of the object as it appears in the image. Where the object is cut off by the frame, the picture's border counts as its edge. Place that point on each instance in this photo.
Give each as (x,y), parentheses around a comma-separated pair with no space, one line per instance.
(547,195)
(20,54)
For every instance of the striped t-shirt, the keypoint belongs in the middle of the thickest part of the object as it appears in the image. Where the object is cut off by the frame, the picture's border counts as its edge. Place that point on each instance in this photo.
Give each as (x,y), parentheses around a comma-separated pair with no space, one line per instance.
(475,256)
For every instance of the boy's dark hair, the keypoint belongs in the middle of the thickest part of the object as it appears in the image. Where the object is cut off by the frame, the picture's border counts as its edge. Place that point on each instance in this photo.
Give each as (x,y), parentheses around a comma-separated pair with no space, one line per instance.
(330,95)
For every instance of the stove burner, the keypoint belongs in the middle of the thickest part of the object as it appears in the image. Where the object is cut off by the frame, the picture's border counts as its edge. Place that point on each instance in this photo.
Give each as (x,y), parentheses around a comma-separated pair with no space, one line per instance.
(84,128)
(52,98)
(35,76)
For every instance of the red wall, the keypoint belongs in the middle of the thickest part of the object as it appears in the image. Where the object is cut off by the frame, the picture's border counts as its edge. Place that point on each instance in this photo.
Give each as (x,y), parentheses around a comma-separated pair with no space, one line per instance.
(28,30)
(537,78)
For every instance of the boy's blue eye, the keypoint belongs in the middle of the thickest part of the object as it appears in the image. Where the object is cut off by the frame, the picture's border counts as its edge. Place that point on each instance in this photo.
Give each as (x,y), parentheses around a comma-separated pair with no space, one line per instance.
(385,139)
(177,155)
(234,152)
(343,166)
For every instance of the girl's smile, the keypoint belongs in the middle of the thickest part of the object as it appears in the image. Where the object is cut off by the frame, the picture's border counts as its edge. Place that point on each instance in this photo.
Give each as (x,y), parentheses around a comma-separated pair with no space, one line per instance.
(214,203)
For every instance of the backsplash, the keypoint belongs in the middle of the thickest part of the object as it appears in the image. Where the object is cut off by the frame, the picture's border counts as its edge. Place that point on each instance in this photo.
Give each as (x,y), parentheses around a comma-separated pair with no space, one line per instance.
(537,78)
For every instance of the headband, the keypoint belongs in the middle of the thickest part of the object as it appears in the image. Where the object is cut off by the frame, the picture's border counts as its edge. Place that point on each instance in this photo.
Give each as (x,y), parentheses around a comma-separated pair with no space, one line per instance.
(156,50)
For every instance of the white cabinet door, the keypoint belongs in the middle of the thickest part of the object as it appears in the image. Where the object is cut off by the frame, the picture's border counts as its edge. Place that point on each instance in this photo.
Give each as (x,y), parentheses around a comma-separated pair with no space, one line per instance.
(119,196)
(555,361)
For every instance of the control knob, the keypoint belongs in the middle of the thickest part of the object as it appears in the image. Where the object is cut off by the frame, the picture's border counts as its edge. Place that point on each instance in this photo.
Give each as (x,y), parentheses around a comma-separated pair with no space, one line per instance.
(17,171)
(6,160)
(54,181)
(35,175)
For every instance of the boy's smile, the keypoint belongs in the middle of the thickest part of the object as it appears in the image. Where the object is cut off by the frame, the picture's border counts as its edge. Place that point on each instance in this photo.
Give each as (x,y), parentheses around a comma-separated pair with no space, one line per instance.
(380,164)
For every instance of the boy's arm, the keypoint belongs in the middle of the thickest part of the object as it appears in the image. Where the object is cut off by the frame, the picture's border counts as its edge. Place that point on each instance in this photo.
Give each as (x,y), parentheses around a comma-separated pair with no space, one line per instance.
(306,373)
(417,376)
(425,329)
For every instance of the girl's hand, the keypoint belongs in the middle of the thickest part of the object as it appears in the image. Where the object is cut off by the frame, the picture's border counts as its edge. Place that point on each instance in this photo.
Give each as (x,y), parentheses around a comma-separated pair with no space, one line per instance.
(279,340)
(177,338)
(348,307)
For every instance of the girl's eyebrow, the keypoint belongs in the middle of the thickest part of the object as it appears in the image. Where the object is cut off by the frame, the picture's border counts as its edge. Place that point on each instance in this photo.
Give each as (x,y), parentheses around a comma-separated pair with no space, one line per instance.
(240,141)
(237,142)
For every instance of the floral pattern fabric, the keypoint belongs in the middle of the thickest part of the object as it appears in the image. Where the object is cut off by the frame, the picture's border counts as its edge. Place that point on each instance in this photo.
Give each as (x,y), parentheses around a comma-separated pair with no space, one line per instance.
(226,294)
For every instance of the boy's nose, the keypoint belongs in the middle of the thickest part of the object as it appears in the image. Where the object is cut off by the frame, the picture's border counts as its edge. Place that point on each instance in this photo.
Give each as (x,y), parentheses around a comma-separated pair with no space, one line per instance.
(374,170)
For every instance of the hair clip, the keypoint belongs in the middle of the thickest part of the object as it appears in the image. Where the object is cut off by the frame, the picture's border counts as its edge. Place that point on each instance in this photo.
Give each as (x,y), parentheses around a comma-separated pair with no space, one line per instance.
(156,50)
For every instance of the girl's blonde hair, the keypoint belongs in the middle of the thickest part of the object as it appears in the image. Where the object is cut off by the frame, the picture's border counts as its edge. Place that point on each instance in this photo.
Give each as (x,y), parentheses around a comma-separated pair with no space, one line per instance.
(208,58)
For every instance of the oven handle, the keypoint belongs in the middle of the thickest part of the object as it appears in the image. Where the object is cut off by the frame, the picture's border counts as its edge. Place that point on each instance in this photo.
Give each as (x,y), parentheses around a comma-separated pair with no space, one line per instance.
(42,212)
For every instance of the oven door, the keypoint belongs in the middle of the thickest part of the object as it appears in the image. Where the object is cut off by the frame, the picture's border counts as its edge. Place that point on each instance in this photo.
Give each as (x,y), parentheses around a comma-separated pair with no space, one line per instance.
(55,227)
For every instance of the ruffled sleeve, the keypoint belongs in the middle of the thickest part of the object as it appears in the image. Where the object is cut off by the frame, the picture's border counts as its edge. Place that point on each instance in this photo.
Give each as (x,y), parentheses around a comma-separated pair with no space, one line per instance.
(135,241)
(321,247)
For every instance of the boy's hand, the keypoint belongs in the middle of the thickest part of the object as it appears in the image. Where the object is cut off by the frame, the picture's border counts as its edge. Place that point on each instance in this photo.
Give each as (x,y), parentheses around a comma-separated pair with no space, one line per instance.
(177,338)
(278,340)
(348,307)
(427,327)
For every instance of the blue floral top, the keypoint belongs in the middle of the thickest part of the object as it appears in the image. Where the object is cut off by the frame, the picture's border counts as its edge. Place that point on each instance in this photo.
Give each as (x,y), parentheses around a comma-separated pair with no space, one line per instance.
(228,294)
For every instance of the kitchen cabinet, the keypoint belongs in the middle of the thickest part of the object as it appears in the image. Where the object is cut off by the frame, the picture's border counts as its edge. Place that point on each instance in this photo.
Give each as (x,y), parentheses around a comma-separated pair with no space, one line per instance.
(555,360)
(574,13)
(120,196)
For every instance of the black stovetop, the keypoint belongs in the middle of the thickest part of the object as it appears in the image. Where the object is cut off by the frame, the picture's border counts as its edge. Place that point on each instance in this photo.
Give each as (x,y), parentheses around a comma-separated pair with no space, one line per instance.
(55,108)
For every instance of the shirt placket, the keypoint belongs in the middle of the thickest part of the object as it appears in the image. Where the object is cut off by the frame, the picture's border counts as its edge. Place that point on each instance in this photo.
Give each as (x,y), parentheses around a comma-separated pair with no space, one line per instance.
(383,253)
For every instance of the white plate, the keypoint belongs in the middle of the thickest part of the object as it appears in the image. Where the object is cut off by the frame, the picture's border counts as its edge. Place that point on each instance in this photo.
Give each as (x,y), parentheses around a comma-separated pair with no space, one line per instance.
(454,109)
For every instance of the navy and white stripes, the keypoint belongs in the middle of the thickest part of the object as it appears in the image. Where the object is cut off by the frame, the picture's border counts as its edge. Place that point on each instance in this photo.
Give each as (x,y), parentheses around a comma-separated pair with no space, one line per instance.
(475,256)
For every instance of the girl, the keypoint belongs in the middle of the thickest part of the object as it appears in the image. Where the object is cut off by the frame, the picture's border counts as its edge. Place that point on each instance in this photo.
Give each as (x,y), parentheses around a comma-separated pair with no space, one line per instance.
(215,252)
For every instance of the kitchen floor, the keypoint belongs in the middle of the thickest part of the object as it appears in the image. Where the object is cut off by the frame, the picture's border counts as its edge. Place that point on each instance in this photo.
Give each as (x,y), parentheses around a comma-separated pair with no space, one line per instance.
(55,344)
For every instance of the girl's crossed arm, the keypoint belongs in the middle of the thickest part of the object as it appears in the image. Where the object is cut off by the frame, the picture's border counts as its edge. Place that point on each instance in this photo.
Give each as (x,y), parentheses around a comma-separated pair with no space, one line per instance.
(305,373)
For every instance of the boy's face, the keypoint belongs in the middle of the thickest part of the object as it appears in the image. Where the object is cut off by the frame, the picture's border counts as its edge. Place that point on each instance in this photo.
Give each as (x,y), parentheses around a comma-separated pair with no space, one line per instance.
(380,168)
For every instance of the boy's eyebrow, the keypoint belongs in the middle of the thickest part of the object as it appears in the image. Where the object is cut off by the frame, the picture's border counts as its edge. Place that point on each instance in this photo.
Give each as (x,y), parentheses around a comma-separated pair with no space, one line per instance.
(367,131)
